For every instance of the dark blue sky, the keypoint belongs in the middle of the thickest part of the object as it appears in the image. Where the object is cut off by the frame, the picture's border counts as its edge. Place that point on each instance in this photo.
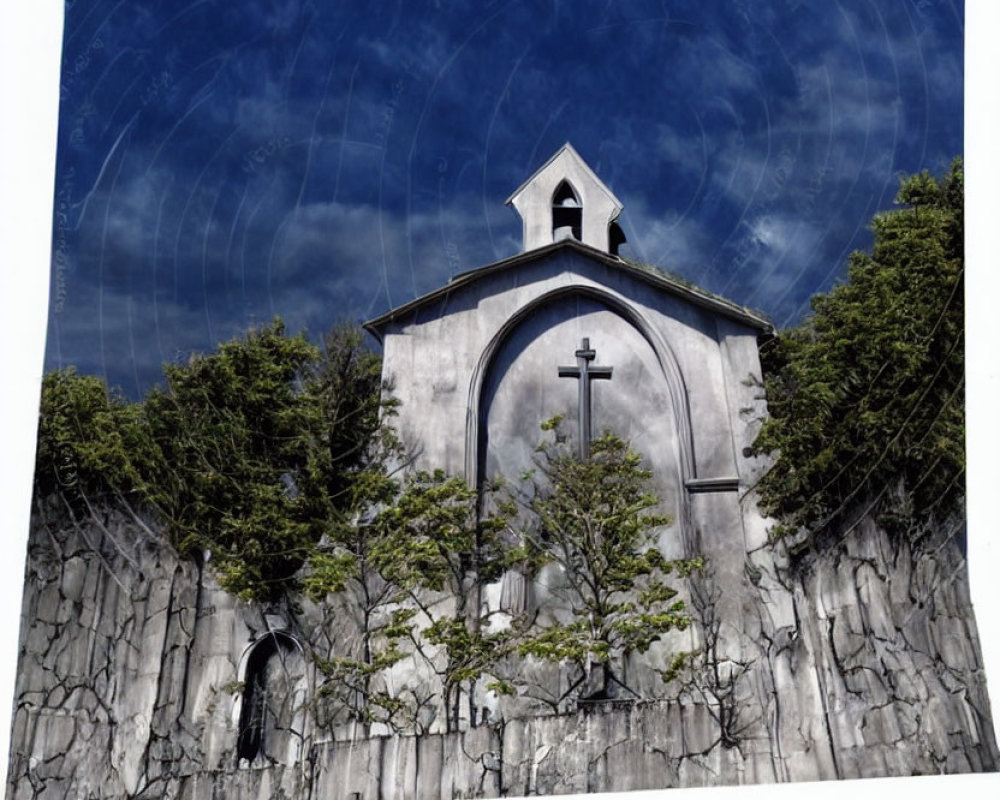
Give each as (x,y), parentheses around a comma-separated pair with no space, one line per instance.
(221,163)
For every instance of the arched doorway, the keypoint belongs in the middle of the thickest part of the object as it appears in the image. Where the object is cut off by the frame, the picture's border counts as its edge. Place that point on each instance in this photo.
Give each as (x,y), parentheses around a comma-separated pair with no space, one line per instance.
(272,701)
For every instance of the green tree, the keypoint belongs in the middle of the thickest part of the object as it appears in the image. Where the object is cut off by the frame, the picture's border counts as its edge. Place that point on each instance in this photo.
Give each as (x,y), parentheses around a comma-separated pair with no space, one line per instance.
(86,438)
(241,458)
(245,453)
(866,397)
(419,542)
(591,517)
(347,382)
(447,552)
(354,561)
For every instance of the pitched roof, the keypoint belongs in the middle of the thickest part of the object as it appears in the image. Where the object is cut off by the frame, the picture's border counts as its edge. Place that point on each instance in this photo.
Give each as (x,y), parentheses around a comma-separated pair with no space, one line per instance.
(583,165)
(649,275)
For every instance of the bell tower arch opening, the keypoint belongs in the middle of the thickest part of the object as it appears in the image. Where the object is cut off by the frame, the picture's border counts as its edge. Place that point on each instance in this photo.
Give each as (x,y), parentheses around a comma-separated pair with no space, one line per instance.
(564,200)
(616,238)
(567,213)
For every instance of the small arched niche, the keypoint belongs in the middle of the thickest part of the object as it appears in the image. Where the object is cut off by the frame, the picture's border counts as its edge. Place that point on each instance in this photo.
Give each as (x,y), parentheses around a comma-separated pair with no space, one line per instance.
(270,720)
(567,213)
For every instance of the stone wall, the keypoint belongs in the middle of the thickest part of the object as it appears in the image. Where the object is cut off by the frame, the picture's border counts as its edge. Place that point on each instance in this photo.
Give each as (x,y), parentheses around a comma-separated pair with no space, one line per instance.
(125,653)
(859,660)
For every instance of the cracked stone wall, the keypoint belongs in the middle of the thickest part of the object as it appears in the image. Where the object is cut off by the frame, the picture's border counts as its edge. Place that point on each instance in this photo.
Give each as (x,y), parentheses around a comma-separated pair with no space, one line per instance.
(858,660)
(126,652)
(870,658)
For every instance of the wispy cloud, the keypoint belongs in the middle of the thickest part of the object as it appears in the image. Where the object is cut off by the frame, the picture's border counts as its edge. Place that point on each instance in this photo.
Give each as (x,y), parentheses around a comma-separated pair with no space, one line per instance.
(319,161)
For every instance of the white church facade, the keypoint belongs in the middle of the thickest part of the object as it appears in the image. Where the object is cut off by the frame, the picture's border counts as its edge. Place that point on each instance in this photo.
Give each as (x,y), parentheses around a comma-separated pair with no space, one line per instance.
(480,363)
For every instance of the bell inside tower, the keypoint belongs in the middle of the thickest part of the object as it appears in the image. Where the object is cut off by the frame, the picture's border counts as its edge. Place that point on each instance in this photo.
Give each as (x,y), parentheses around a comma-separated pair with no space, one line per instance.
(567,214)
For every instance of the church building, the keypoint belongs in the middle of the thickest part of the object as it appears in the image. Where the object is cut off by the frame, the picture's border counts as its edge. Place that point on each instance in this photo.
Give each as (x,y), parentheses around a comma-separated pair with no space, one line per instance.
(568,327)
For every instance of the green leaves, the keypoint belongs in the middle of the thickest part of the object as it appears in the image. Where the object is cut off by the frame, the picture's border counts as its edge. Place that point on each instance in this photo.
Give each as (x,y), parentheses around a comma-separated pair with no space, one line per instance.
(593,519)
(242,458)
(87,439)
(247,453)
(421,542)
(867,395)
(470,650)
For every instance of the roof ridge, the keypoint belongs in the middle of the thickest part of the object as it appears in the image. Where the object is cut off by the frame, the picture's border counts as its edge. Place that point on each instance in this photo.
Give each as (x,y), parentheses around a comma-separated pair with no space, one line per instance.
(646,273)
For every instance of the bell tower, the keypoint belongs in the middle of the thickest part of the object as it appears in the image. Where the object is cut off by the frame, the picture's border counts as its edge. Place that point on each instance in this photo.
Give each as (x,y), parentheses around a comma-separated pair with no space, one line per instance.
(564,199)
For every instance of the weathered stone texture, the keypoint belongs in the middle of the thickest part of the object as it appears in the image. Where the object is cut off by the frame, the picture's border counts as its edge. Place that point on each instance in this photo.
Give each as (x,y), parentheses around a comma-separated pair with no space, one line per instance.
(893,642)
(860,661)
(110,701)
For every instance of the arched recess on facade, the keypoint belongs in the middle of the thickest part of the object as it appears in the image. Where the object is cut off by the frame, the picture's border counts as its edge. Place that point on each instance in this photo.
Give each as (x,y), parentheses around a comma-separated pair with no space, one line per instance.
(270,709)
(667,360)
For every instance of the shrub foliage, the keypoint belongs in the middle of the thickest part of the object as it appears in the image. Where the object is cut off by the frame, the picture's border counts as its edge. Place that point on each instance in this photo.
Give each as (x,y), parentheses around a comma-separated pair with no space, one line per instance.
(594,518)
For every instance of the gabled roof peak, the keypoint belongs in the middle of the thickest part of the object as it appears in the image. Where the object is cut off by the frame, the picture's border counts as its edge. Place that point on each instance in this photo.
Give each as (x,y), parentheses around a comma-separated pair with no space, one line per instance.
(564,199)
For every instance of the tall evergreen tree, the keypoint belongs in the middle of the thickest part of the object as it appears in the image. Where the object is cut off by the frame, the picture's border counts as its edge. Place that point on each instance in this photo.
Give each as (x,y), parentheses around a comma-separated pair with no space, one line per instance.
(866,397)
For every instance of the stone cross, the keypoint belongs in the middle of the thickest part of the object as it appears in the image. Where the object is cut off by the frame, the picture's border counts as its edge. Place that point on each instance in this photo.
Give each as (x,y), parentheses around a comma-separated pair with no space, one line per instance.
(586,373)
